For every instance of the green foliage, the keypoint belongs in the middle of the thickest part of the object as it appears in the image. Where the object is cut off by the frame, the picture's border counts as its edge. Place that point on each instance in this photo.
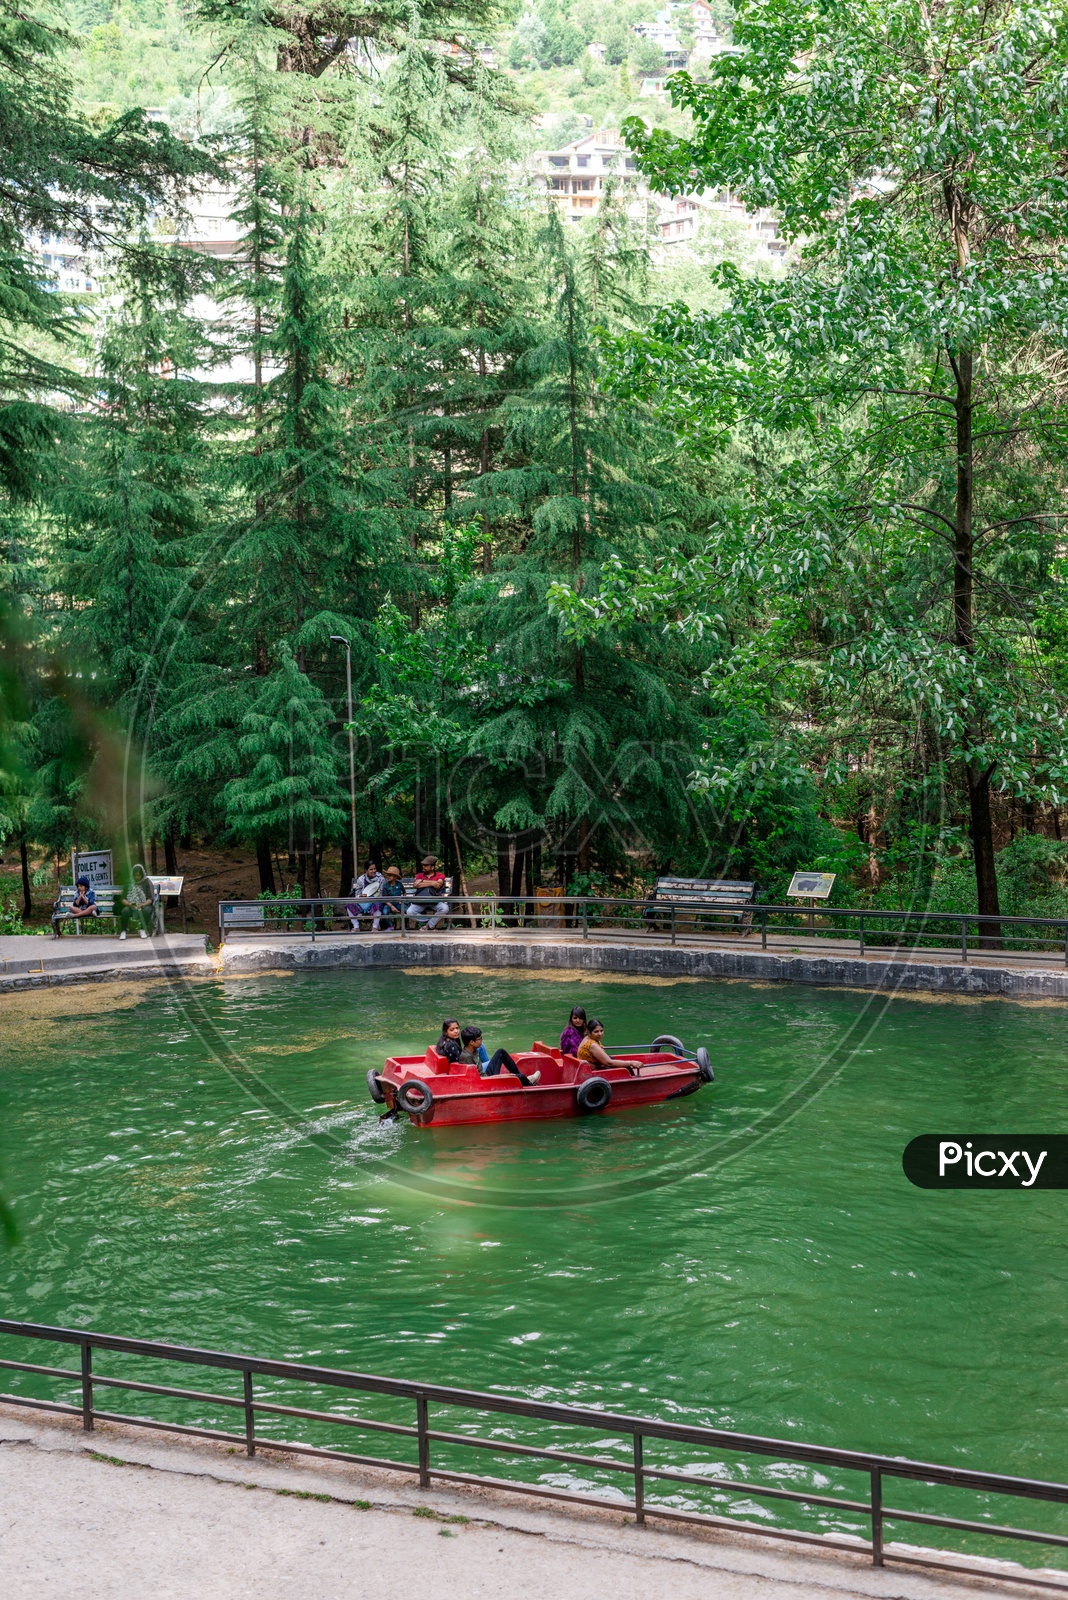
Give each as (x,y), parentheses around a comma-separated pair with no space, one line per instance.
(905,367)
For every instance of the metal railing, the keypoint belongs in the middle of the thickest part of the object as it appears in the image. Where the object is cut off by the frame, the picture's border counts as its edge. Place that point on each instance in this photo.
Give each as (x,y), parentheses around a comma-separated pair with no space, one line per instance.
(629,1435)
(866,929)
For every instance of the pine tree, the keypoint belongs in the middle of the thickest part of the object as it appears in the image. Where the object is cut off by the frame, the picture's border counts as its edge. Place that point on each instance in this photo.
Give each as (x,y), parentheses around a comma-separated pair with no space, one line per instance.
(291,784)
(588,741)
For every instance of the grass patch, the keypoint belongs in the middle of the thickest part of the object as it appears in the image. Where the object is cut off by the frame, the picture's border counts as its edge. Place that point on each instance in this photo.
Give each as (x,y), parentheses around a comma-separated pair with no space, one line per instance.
(304,1494)
(437,1516)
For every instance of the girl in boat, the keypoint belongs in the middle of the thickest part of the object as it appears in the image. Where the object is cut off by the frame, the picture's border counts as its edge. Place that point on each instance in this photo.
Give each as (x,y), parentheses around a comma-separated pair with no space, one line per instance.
(592,1049)
(449,1044)
(574,1033)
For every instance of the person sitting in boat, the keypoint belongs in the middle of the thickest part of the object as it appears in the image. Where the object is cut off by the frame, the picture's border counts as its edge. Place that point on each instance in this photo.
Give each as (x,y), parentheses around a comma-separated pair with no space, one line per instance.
(593,1052)
(428,905)
(574,1033)
(450,1044)
(474,1054)
(591,1049)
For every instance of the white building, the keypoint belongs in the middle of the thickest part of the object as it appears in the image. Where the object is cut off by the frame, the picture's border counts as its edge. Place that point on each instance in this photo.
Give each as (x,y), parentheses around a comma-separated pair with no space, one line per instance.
(664,30)
(678,222)
(575,175)
(68,265)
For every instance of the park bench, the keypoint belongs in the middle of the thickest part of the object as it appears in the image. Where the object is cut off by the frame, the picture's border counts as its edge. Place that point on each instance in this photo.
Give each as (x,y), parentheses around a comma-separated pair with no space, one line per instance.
(409,895)
(267,916)
(716,896)
(106,895)
(408,888)
(105,907)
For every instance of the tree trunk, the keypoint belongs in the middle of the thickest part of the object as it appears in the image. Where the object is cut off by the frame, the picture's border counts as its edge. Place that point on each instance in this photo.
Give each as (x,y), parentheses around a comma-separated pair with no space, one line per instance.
(265,864)
(27,892)
(170,854)
(986,882)
(504,870)
(308,872)
(517,867)
(982,825)
(348,868)
(516,888)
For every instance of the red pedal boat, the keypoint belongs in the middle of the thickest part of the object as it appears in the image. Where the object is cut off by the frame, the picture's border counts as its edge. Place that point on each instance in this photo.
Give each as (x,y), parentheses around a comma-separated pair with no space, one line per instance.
(435,1092)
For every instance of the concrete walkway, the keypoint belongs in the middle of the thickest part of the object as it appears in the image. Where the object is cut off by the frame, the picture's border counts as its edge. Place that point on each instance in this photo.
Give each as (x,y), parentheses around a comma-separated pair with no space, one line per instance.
(31,961)
(795,960)
(119,1515)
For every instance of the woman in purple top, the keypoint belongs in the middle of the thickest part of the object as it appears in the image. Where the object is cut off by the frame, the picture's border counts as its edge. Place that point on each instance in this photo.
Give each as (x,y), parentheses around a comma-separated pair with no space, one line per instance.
(574,1033)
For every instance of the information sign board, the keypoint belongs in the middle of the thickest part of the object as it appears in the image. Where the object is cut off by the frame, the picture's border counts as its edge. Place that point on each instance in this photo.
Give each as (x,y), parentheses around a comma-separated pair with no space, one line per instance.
(94,865)
(166,885)
(811,885)
(251,914)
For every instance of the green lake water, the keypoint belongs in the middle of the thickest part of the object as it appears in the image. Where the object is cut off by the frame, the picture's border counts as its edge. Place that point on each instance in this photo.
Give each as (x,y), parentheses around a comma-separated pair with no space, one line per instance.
(204,1166)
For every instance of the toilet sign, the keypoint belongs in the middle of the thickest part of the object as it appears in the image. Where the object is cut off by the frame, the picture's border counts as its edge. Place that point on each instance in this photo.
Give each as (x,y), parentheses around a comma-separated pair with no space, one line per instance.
(96,865)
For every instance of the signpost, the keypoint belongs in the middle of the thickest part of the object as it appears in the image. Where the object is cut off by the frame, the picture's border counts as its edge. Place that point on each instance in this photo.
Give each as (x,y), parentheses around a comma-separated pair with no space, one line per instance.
(96,865)
(811,886)
(170,885)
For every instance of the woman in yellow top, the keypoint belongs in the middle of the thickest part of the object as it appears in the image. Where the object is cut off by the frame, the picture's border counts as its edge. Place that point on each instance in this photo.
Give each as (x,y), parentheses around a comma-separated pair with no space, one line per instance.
(591,1049)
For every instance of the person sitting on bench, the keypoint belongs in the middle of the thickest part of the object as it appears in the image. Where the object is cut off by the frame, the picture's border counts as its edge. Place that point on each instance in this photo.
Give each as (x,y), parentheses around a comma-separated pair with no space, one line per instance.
(390,899)
(472,1056)
(428,906)
(83,905)
(137,903)
(366,892)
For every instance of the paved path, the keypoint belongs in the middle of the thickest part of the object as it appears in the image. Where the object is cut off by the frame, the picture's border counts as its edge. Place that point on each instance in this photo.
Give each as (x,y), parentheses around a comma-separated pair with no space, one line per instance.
(145,1518)
(31,962)
(799,960)
(28,960)
(777,944)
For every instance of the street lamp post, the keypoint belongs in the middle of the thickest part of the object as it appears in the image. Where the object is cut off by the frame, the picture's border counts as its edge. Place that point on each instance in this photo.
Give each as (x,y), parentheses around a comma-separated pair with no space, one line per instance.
(337,638)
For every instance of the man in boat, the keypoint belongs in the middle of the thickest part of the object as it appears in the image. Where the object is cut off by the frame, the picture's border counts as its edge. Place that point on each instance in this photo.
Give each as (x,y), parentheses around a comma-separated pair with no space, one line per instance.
(428,905)
(474,1052)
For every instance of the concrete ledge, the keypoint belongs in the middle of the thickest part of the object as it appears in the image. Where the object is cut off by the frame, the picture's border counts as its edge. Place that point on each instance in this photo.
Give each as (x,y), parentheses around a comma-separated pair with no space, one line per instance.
(123,1513)
(460,949)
